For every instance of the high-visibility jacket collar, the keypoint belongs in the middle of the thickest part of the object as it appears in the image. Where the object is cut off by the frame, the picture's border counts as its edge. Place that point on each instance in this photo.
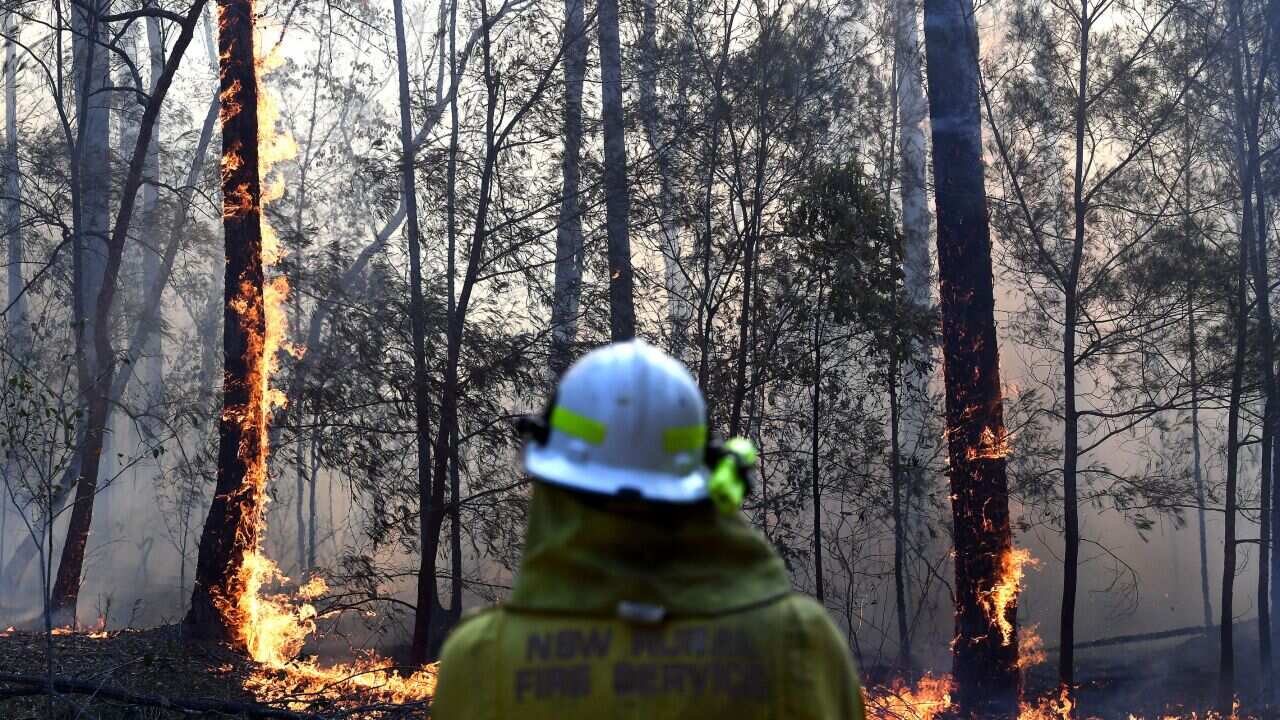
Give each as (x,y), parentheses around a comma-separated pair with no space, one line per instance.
(688,560)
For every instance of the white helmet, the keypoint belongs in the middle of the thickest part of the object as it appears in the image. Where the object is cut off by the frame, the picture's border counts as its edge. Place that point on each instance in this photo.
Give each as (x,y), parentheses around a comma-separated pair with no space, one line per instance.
(626,420)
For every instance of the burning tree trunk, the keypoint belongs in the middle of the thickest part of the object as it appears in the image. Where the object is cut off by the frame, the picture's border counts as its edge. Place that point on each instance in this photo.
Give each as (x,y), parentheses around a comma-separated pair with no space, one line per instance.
(231,529)
(985,649)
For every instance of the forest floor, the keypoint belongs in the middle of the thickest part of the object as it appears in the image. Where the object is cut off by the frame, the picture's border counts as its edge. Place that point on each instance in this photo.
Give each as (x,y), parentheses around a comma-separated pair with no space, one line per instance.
(154,674)
(158,674)
(158,665)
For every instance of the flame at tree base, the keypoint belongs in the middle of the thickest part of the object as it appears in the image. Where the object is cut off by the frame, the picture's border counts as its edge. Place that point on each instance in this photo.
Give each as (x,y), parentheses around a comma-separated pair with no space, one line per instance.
(930,699)
(274,630)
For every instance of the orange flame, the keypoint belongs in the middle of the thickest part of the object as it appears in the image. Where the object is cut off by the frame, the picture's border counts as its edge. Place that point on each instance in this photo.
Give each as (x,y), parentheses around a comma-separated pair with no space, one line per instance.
(929,699)
(992,445)
(1004,595)
(274,627)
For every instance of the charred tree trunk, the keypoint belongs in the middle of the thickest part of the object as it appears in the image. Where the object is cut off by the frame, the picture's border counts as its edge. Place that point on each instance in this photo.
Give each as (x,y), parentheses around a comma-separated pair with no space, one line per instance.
(570,255)
(622,312)
(1226,658)
(231,529)
(899,522)
(984,660)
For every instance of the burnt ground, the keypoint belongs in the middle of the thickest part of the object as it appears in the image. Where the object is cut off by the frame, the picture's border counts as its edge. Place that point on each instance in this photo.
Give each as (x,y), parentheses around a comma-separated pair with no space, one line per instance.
(1154,681)
(158,663)
(159,674)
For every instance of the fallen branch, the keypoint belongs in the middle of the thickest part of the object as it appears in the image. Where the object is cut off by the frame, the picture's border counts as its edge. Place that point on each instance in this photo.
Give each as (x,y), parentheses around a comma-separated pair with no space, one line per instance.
(38,685)
(1142,637)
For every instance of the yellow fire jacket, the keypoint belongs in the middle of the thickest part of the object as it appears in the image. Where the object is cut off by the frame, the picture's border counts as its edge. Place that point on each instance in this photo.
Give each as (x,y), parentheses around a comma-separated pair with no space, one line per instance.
(684,614)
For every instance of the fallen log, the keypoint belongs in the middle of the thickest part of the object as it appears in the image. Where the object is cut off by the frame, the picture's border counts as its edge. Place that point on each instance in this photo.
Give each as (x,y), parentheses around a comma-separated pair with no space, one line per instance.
(1141,637)
(37,685)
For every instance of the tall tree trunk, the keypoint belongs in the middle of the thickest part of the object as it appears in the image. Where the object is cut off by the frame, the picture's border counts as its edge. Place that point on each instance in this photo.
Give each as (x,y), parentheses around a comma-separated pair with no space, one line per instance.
(917,266)
(231,529)
(570,255)
(911,407)
(622,312)
(18,321)
(446,459)
(899,523)
(1071,418)
(417,305)
(91,211)
(1226,658)
(679,310)
(1193,356)
(1251,258)
(153,352)
(67,587)
(984,662)
(814,446)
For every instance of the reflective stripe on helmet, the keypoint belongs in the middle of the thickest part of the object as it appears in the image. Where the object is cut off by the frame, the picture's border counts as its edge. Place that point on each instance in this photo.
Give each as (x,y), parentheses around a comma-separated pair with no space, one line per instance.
(684,439)
(575,425)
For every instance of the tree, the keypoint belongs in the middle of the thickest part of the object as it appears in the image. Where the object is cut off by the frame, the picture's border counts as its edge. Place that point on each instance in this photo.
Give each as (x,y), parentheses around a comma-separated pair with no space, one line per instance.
(232,526)
(622,312)
(97,365)
(567,293)
(984,658)
(917,268)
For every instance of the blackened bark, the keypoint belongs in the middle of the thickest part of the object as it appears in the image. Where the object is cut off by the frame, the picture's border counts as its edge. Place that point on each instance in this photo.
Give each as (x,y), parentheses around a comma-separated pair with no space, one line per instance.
(1226,657)
(622,313)
(984,666)
(231,528)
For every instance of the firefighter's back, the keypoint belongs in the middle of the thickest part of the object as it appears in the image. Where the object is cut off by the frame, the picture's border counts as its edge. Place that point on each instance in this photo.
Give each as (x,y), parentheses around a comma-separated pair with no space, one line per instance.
(643,592)
(782,659)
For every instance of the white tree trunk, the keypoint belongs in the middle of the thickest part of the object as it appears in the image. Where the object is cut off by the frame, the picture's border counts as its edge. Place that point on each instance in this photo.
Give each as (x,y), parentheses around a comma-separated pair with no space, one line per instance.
(679,309)
(16,317)
(914,407)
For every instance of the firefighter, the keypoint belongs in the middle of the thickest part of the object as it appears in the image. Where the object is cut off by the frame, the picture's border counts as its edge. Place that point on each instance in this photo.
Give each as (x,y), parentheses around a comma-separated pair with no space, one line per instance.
(643,591)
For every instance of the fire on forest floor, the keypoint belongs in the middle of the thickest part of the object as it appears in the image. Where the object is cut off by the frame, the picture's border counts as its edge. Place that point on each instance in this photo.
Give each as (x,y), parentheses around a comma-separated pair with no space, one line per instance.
(1166,680)
(1166,683)
(162,663)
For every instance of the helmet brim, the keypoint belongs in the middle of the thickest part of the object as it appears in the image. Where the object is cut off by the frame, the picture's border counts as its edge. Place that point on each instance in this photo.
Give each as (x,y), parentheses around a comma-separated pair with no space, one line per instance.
(548,465)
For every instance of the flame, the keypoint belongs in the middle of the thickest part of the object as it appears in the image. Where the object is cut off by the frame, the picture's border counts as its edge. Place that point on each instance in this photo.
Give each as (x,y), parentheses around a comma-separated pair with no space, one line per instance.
(1030,647)
(929,699)
(274,626)
(992,445)
(1004,595)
